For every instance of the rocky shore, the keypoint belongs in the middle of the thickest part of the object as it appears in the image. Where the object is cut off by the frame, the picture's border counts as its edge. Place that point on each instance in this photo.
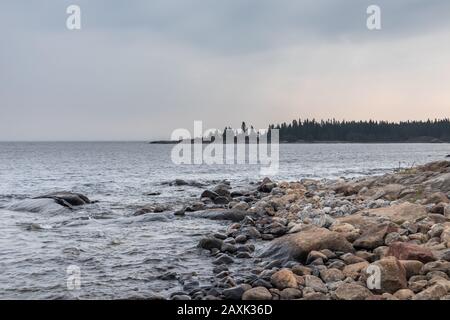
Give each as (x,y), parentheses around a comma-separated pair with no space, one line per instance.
(372,238)
(324,240)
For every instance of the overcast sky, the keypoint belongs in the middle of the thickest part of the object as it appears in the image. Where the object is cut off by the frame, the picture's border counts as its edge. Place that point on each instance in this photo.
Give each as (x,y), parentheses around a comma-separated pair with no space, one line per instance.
(139,69)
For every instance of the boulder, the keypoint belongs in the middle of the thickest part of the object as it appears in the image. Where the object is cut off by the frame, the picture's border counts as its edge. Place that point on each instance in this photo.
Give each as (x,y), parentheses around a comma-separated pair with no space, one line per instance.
(431,293)
(66,199)
(392,275)
(354,270)
(210,243)
(445,235)
(374,237)
(437,197)
(297,246)
(441,182)
(224,214)
(52,202)
(404,294)
(235,293)
(410,251)
(352,291)
(258,293)
(315,283)
(401,213)
(412,267)
(331,275)
(290,294)
(266,186)
(209,194)
(283,279)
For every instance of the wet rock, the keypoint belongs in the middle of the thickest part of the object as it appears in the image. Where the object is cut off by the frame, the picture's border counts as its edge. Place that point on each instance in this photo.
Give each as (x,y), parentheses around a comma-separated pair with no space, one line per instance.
(221,200)
(262,283)
(220,236)
(223,190)
(209,194)
(298,245)
(283,279)
(410,251)
(191,286)
(223,259)
(169,275)
(153,193)
(235,293)
(241,206)
(181,182)
(258,293)
(243,255)
(253,233)
(226,247)
(181,297)
(210,243)
(241,238)
(290,294)
(266,186)
(66,199)
(180,213)
(197,206)
(151,208)
(229,214)
(352,291)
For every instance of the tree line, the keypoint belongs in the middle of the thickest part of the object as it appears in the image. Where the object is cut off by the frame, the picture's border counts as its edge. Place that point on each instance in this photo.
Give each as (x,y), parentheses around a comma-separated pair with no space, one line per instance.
(437,130)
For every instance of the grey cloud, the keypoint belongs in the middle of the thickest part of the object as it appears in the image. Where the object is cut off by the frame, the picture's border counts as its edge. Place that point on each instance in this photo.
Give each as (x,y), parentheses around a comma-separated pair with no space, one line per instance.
(139,69)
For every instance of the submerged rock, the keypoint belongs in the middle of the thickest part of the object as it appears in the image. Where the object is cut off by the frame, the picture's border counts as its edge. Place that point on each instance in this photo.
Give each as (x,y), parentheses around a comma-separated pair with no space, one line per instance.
(229,214)
(52,202)
(66,199)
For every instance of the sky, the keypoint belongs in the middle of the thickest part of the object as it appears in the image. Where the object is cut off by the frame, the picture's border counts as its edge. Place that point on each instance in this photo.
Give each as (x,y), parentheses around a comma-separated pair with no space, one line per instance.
(139,69)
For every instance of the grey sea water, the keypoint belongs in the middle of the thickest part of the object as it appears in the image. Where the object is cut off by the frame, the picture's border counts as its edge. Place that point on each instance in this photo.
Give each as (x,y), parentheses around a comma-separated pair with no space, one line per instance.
(122,256)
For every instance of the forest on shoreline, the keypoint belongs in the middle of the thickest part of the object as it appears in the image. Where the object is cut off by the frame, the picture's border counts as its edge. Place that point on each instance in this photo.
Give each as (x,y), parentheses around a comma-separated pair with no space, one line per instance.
(364,131)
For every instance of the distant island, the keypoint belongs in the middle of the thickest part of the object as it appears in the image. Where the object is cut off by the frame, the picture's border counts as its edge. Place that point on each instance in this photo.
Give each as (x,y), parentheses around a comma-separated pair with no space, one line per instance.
(333,131)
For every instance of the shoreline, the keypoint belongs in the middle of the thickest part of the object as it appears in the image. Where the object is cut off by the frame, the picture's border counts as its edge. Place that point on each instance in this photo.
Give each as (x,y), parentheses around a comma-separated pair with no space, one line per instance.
(321,142)
(320,238)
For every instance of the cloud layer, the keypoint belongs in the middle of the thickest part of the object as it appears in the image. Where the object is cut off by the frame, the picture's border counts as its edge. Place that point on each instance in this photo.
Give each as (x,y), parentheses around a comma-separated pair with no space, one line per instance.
(139,69)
